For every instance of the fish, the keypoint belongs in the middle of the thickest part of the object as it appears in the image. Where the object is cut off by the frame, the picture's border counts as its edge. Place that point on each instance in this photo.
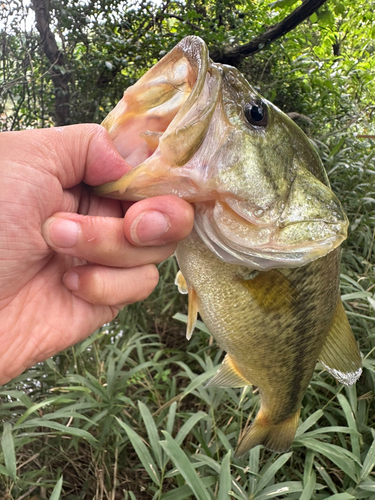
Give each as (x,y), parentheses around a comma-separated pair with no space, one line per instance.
(261,266)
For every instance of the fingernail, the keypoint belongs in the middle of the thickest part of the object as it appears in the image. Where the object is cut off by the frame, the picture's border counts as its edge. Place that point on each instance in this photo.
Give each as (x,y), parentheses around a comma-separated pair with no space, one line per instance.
(61,233)
(148,227)
(70,280)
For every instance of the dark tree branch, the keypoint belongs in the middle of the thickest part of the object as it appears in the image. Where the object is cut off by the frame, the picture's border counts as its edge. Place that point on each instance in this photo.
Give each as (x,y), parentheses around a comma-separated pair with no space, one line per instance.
(234,55)
(60,76)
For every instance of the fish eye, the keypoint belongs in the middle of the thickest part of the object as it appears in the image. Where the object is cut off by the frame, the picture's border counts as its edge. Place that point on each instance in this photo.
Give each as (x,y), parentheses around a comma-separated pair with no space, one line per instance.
(256,113)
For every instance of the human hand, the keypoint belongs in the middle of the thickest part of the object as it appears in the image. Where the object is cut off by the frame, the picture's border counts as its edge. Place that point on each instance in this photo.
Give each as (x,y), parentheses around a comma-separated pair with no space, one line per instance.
(70,260)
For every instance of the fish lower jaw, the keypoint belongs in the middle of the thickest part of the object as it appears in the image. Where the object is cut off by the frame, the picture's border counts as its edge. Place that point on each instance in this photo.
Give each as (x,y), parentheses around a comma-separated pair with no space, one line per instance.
(271,255)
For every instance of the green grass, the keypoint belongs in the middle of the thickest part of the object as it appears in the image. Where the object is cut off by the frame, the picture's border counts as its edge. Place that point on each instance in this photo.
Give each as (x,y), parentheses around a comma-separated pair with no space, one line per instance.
(125,414)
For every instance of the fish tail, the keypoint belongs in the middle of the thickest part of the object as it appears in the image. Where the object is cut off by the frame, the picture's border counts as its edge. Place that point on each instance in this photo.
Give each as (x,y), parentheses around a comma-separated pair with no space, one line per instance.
(275,437)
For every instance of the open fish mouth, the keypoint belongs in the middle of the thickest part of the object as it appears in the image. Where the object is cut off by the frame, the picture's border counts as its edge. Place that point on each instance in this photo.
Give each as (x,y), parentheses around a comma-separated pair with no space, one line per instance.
(198,130)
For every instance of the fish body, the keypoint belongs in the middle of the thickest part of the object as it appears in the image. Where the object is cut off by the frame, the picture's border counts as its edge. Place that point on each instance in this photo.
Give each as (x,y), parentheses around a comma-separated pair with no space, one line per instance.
(262,264)
(273,325)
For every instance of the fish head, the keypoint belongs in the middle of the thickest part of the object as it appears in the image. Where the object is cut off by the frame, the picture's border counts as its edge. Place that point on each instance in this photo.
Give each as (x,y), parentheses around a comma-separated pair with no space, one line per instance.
(198,129)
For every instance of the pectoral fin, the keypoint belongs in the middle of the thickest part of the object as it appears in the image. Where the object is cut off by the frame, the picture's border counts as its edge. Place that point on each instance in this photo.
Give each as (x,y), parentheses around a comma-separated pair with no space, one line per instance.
(184,288)
(180,282)
(228,375)
(340,355)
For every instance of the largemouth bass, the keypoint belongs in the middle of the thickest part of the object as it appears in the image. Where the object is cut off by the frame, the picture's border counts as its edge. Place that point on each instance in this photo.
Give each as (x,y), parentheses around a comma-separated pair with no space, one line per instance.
(262,264)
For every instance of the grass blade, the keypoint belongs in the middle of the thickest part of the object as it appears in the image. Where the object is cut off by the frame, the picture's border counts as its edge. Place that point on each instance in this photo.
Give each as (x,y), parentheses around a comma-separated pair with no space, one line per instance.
(369,462)
(57,490)
(225,479)
(72,431)
(171,418)
(309,422)
(254,468)
(185,467)
(339,456)
(188,426)
(309,488)
(324,474)
(280,489)
(142,452)
(199,381)
(351,424)
(7,444)
(36,407)
(152,432)
(368,486)
(184,492)
(341,496)
(271,471)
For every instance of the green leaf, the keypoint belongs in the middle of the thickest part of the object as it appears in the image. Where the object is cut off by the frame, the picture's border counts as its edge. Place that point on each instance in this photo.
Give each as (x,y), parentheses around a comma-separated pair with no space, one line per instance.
(341,496)
(283,3)
(142,452)
(185,467)
(314,17)
(225,478)
(368,463)
(326,17)
(152,432)
(90,382)
(171,418)
(309,422)
(25,400)
(7,444)
(111,376)
(351,423)
(199,381)
(368,486)
(4,470)
(254,468)
(72,431)
(36,407)
(324,474)
(345,460)
(188,426)
(339,8)
(184,492)
(309,488)
(82,346)
(56,493)
(307,470)
(271,471)
(280,489)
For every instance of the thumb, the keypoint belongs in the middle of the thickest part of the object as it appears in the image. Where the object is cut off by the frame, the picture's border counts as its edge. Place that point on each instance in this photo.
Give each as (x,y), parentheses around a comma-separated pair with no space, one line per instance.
(73,154)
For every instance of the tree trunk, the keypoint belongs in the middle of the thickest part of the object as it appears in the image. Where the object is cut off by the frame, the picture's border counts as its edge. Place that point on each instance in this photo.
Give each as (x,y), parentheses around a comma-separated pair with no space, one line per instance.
(60,75)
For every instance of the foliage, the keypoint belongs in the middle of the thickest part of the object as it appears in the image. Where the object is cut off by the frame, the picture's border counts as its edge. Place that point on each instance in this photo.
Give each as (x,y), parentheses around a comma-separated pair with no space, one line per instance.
(125,413)
(108,44)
